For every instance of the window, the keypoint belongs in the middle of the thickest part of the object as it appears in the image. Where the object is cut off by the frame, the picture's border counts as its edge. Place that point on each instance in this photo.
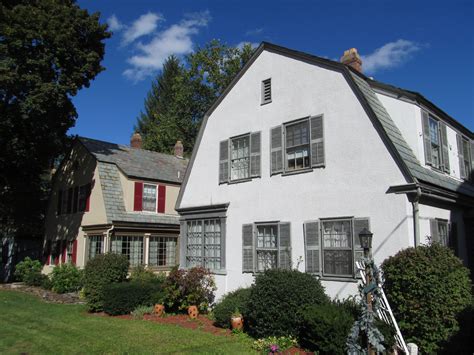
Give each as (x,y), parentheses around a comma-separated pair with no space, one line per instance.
(266,91)
(70,250)
(464,155)
(435,143)
(204,244)
(130,246)
(149,198)
(266,246)
(444,233)
(435,140)
(297,145)
(83,195)
(162,252)
(333,246)
(96,243)
(239,158)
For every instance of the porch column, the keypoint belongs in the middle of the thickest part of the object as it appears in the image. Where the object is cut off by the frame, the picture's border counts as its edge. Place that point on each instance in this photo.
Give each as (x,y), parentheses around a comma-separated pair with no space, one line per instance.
(147,249)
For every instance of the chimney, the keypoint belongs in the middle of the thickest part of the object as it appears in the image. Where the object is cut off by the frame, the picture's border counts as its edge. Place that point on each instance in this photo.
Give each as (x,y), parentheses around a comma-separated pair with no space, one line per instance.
(178,149)
(352,58)
(136,141)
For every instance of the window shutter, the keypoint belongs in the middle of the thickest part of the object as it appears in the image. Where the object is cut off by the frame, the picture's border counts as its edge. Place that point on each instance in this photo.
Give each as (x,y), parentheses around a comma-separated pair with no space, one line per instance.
(462,168)
(445,147)
(75,199)
(247,248)
(69,200)
(74,252)
(64,252)
(426,137)
(359,225)
(434,230)
(138,199)
(284,248)
(255,149)
(472,160)
(276,149)
(311,240)
(88,198)
(60,202)
(224,161)
(161,198)
(453,237)
(317,141)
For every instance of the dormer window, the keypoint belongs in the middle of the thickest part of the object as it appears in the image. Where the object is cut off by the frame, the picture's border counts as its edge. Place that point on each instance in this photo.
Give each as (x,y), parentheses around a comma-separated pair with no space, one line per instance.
(434,139)
(149,198)
(435,142)
(266,91)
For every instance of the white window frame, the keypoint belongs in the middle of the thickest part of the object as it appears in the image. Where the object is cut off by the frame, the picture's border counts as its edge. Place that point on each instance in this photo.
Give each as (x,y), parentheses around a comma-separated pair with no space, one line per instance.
(129,238)
(258,249)
(163,239)
(305,120)
(156,198)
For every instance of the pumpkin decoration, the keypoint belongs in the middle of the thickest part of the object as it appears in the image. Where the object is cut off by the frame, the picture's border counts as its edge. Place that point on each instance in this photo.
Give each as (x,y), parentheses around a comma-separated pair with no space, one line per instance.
(193,312)
(159,309)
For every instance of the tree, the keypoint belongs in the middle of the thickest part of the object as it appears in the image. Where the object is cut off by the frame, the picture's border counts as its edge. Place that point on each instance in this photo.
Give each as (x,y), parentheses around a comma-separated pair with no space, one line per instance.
(49,50)
(182,93)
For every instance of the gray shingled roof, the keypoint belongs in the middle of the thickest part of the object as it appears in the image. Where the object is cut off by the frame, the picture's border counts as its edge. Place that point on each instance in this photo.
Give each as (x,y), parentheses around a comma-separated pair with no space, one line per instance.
(114,203)
(408,157)
(138,163)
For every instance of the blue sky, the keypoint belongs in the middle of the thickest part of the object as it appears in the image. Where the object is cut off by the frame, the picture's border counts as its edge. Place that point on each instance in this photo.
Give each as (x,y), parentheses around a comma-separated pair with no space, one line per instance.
(424,46)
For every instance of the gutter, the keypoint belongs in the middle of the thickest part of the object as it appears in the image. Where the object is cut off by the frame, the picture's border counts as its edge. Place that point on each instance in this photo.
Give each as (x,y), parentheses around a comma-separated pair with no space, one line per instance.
(107,244)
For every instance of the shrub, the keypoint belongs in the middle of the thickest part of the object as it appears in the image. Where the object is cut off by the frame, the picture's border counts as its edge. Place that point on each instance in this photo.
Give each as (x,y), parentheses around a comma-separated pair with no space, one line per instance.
(324,328)
(28,271)
(124,297)
(274,344)
(184,288)
(235,300)
(102,270)
(140,311)
(427,287)
(66,278)
(276,299)
(139,273)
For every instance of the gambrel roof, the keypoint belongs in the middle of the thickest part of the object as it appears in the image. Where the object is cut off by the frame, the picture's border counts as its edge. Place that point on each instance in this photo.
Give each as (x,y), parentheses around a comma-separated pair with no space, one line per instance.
(363,88)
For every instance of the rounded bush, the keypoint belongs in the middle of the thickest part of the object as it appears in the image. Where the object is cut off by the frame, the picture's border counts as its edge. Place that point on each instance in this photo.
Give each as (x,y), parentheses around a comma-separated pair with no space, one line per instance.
(103,270)
(29,271)
(276,299)
(427,287)
(66,278)
(324,328)
(139,273)
(233,301)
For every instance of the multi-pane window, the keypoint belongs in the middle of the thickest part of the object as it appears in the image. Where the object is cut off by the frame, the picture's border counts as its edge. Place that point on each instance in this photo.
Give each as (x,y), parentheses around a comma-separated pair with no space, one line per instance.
(162,251)
(443,232)
(466,157)
(204,243)
(149,198)
(240,157)
(96,243)
(70,250)
(297,145)
(337,247)
(130,246)
(435,143)
(83,192)
(267,247)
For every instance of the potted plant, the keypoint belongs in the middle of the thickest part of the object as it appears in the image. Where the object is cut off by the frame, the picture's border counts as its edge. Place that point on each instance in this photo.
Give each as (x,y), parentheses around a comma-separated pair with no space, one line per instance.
(236,320)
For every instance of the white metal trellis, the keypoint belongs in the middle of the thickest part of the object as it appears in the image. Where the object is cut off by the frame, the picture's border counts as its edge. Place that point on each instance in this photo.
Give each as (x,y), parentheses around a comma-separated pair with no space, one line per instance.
(385,312)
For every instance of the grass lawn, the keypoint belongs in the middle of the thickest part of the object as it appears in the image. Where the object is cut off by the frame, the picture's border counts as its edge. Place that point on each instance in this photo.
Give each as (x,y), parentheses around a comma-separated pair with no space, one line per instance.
(29,325)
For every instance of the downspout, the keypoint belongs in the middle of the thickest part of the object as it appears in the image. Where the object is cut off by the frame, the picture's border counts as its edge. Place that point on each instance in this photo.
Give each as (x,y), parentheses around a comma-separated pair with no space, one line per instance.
(416,212)
(107,246)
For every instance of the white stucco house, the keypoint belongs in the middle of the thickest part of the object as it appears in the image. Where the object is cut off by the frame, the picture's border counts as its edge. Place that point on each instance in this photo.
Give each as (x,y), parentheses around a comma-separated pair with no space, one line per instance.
(300,153)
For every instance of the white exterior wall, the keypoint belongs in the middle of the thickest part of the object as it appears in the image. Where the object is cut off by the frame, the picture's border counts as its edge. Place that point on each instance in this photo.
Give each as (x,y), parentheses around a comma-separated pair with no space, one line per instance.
(358,172)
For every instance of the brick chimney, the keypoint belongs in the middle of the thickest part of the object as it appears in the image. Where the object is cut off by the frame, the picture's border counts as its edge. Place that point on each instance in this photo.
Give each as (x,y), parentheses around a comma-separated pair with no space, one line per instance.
(178,149)
(352,58)
(136,141)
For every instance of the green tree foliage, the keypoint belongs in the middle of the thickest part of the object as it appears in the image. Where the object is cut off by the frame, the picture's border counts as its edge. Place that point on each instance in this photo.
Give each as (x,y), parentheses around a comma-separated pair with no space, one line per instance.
(427,287)
(49,50)
(182,93)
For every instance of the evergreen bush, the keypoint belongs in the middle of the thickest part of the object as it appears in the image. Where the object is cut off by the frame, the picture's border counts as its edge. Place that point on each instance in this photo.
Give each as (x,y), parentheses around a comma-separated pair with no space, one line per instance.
(99,272)
(66,278)
(276,300)
(235,300)
(29,272)
(427,288)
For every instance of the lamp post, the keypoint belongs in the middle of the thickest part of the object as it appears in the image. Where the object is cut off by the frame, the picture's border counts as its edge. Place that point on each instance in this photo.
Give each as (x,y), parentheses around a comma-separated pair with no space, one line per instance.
(365,237)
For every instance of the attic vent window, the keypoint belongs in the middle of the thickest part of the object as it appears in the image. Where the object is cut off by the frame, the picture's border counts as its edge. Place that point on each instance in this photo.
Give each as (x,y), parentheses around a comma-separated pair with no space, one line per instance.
(266,91)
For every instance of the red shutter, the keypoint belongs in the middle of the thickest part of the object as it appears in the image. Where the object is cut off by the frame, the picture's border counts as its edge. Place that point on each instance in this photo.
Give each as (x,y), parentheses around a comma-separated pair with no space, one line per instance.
(74,252)
(63,254)
(161,198)
(88,198)
(138,201)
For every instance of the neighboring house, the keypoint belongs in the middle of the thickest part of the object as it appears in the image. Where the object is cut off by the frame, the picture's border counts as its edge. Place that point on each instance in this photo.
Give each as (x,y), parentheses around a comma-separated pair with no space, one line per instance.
(113,198)
(301,153)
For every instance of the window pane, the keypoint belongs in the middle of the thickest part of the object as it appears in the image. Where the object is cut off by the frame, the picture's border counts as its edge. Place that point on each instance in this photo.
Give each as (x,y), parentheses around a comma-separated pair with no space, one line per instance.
(162,251)
(266,259)
(131,247)
(337,247)
(203,247)
(240,158)
(297,146)
(443,233)
(337,234)
(338,262)
(149,198)
(434,132)
(95,245)
(82,198)
(267,236)
(297,134)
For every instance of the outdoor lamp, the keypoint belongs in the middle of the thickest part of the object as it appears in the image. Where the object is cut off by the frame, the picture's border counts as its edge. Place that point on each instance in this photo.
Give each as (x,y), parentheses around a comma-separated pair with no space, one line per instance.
(365,237)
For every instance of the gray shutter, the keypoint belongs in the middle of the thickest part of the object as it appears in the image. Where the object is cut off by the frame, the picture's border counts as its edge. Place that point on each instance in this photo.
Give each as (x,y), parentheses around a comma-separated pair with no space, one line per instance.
(311,240)
(224,161)
(453,237)
(284,249)
(444,147)
(426,137)
(434,230)
(462,168)
(247,248)
(472,160)
(276,149)
(255,149)
(359,225)
(317,141)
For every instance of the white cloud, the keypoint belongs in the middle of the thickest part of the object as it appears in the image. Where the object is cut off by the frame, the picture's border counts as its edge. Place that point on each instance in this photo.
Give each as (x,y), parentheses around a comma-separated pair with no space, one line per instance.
(254,32)
(142,26)
(114,23)
(252,44)
(176,39)
(389,55)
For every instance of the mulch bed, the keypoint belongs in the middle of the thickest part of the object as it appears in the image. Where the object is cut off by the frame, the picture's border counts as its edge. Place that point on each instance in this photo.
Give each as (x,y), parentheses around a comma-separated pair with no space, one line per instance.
(46,295)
